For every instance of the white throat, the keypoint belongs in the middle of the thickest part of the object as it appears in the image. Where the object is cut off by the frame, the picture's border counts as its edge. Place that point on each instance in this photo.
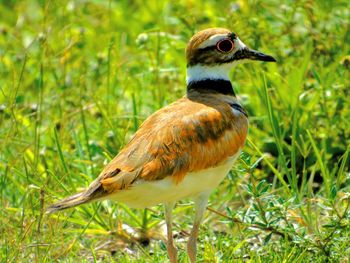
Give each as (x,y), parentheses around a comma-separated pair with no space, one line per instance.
(201,72)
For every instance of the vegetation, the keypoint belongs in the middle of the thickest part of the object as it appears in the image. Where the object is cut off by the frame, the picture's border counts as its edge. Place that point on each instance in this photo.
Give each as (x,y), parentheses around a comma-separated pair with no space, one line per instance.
(78,77)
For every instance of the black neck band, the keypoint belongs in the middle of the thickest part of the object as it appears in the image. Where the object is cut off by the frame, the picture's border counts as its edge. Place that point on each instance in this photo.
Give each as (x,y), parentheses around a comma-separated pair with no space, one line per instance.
(212,85)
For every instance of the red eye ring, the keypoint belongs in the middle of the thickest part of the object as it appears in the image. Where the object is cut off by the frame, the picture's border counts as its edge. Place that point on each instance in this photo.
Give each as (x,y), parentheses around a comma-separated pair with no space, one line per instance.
(225,45)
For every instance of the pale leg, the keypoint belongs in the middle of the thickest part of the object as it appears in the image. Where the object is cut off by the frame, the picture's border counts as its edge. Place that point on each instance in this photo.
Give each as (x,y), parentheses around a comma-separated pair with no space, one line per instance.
(172,251)
(200,206)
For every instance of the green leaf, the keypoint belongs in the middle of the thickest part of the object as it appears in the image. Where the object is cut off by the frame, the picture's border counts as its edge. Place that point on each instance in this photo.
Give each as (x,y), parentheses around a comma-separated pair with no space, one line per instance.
(267,239)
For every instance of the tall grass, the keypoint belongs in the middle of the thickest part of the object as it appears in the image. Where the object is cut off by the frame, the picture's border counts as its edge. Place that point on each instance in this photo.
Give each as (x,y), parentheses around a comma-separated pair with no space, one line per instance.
(78,77)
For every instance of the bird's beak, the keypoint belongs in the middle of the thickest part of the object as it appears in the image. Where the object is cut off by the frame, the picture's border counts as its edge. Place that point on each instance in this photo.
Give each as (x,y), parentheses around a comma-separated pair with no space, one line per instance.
(256,55)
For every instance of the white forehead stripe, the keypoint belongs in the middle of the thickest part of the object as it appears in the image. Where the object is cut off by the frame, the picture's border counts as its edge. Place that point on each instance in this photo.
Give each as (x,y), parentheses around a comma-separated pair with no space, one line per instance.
(239,43)
(213,40)
(216,38)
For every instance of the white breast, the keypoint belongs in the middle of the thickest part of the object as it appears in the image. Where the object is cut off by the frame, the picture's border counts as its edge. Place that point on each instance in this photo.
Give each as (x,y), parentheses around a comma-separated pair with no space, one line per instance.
(148,193)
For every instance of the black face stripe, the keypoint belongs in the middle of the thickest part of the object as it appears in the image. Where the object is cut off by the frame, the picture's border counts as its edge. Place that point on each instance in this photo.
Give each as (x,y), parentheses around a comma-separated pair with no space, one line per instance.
(205,49)
(203,56)
(211,56)
(208,56)
(212,86)
(239,55)
(239,108)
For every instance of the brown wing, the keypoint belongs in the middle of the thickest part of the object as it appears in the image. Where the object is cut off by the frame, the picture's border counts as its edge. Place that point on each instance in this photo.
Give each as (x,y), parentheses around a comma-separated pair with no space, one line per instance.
(186,136)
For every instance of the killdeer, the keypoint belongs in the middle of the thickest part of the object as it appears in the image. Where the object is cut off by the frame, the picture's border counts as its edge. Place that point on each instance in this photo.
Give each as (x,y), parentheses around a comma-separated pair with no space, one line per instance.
(187,148)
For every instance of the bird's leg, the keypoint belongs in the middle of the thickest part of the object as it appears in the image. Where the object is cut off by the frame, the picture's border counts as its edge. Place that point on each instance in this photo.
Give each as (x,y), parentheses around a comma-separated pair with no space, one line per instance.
(200,205)
(172,251)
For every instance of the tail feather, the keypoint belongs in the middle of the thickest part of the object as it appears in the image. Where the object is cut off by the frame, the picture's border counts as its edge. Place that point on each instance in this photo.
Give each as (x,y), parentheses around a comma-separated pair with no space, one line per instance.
(68,202)
(94,192)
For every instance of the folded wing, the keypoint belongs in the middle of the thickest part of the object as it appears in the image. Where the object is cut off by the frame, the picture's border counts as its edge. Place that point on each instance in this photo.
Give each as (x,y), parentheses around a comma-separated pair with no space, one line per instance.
(186,136)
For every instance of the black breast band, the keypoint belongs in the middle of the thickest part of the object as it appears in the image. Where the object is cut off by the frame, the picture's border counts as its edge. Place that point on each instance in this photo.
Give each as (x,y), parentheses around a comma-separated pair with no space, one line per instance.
(212,85)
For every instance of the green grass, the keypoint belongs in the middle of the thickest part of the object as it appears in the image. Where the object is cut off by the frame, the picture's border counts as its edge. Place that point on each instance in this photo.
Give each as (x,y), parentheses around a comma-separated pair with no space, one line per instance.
(78,77)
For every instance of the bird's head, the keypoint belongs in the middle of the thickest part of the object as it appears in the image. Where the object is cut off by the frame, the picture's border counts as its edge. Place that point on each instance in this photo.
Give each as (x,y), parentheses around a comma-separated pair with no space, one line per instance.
(212,52)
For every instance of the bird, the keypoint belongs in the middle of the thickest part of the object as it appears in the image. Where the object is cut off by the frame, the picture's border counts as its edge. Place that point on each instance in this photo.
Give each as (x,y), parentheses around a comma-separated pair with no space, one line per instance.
(185,149)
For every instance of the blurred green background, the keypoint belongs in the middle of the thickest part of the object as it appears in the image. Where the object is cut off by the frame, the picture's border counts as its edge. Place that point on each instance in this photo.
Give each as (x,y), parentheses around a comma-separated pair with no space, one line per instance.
(77,78)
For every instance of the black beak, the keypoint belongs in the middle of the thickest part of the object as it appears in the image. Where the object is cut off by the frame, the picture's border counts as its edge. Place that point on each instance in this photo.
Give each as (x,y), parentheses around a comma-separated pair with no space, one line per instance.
(256,55)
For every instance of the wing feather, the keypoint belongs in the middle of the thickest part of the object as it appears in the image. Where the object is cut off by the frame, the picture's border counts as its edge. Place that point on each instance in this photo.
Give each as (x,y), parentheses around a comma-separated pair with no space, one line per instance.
(184,137)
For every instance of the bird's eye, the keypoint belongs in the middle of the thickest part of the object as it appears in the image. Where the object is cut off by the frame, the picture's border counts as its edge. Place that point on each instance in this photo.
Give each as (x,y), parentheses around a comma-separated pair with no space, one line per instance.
(225,45)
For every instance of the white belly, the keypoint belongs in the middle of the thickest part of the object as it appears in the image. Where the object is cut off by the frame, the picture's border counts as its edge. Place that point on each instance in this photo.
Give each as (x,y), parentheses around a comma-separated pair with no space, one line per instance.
(148,193)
